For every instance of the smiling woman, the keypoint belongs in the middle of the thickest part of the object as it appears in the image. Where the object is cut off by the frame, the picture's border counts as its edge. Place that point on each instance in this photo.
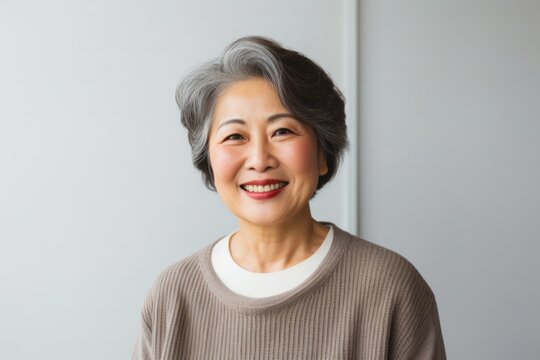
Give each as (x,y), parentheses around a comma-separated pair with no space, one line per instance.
(267,130)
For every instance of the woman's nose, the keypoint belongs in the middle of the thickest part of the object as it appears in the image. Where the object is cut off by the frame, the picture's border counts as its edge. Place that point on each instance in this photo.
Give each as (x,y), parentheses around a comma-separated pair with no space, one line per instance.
(261,156)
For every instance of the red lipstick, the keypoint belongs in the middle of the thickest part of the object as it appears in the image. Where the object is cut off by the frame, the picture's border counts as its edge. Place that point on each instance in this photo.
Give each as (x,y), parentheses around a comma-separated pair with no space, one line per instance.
(264,182)
(251,188)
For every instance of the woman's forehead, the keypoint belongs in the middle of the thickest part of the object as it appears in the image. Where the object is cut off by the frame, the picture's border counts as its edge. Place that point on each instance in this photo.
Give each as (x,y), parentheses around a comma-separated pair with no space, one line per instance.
(247,99)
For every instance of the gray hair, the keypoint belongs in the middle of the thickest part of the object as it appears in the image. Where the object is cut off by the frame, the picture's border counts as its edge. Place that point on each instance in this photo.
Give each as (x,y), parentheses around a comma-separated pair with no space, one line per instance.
(303,87)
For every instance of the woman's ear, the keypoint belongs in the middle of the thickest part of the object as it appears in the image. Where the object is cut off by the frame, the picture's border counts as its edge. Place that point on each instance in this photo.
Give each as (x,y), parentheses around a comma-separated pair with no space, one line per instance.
(323,166)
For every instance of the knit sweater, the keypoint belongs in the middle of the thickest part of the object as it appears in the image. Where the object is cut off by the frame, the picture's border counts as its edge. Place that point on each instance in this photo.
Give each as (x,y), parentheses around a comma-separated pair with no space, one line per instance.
(363,302)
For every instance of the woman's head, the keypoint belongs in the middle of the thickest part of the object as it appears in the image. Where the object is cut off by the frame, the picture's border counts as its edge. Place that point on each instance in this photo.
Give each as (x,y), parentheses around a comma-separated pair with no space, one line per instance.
(302,86)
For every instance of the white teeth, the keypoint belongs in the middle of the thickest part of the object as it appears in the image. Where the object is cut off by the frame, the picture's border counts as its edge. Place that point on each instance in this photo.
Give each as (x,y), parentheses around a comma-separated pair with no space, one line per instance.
(265,188)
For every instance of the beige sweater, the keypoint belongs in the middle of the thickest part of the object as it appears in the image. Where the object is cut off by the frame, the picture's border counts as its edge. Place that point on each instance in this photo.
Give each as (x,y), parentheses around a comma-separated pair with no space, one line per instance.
(363,302)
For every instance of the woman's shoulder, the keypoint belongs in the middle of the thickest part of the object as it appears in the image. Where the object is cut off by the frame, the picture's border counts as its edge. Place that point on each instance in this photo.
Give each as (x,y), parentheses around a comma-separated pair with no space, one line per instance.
(177,277)
(379,266)
(383,277)
(187,267)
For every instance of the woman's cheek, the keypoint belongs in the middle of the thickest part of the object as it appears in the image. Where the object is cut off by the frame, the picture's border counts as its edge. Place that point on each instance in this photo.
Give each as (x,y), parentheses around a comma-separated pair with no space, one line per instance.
(302,156)
(223,161)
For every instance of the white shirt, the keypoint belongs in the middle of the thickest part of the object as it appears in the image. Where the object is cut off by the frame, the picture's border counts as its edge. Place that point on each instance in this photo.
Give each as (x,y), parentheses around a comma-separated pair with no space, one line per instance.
(259,285)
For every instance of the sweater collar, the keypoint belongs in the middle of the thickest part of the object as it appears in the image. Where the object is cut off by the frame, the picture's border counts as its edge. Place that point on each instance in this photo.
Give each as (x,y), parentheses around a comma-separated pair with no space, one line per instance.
(249,305)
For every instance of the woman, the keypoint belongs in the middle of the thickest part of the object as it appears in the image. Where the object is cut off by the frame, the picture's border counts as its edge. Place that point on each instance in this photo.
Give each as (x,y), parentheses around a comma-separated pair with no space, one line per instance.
(267,130)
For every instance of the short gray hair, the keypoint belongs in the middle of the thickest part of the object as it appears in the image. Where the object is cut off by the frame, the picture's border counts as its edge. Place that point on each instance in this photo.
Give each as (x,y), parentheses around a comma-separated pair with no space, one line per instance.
(303,87)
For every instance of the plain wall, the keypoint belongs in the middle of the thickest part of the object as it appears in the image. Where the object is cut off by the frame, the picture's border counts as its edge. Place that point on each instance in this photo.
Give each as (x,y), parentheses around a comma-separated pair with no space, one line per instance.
(450,174)
(97,190)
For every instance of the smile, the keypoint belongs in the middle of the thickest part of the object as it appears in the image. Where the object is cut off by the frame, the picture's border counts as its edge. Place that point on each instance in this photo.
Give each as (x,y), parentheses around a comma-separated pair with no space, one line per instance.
(263,188)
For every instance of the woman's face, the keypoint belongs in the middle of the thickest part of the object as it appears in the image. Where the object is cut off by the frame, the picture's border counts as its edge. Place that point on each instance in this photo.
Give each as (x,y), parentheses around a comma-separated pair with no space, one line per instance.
(265,162)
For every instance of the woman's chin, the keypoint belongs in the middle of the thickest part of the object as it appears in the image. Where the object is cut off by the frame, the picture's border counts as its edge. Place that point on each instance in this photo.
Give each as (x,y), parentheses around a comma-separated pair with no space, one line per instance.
(269,216)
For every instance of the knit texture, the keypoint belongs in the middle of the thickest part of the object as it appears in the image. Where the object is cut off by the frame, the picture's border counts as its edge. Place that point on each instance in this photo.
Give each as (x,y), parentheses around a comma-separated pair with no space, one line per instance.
(362,302)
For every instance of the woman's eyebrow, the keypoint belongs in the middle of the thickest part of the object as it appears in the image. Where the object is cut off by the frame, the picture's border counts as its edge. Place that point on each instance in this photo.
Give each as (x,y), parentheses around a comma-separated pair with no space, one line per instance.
(280,115)
(270,119)
(232,121)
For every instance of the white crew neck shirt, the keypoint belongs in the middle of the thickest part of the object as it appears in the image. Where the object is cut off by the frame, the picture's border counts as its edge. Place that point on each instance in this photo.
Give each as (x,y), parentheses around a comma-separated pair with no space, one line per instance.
(260,285)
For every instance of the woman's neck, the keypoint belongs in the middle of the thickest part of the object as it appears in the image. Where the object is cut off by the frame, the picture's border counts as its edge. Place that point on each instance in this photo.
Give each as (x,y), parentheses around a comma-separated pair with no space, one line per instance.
(276,247)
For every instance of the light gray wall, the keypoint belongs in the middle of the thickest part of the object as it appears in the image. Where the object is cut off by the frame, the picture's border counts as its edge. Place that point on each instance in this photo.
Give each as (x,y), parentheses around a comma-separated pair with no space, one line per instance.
(97,190)
(449,147)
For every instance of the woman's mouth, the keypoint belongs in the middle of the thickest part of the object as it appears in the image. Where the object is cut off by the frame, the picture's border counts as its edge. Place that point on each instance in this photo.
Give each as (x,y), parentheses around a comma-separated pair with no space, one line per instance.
(263,190)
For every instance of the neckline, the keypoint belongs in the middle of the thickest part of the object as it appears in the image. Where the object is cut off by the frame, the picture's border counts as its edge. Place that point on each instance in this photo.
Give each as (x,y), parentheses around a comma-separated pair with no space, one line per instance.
(250,305)
(260,285)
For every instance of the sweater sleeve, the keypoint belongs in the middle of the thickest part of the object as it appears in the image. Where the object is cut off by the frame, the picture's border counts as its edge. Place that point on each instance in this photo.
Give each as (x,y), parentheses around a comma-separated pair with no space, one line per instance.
(143,349)
(426,341)
(416,332)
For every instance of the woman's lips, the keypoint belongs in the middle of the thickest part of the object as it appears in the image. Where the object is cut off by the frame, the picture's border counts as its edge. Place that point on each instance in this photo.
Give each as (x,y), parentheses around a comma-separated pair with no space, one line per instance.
(264,182)
(263,189)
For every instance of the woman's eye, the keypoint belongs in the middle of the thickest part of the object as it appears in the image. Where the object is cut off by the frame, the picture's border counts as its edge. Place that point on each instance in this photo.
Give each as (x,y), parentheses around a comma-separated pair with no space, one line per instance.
(234,137)
(282,131)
